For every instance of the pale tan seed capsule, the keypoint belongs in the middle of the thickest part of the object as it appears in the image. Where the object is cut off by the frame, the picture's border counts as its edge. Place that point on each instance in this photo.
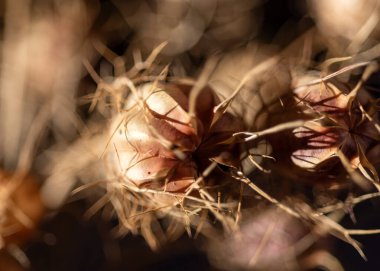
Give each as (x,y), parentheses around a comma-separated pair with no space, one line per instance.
(148,138)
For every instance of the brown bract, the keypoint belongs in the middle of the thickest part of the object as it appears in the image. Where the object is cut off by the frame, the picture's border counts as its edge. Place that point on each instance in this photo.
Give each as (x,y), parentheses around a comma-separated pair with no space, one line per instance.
(21,208)
(156,143)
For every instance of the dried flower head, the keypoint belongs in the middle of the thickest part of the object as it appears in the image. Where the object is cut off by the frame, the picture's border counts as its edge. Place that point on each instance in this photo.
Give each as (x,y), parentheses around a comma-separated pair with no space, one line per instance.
(158,144)
(164,148)
(341,126)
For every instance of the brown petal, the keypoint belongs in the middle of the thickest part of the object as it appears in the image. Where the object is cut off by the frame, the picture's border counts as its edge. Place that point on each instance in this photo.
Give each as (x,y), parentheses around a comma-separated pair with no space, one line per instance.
(169,116)
(317,144)
(183,177)
(326,97)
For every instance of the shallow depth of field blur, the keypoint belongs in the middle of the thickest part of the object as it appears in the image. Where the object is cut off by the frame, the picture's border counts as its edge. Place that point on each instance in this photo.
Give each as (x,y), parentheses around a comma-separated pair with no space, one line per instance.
(281,180)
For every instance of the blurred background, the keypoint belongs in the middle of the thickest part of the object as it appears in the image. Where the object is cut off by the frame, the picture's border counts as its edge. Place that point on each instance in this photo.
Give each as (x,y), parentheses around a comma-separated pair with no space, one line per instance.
(47,48)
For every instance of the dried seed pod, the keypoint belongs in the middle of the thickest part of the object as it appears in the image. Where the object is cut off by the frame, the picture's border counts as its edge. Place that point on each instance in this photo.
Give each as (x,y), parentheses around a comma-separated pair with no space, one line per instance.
(338,126)
(162,157)
(159,145)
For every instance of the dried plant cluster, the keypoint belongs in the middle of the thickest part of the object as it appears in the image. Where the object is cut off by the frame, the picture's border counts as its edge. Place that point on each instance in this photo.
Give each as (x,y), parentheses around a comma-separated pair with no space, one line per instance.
(177,151)
(193,123)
